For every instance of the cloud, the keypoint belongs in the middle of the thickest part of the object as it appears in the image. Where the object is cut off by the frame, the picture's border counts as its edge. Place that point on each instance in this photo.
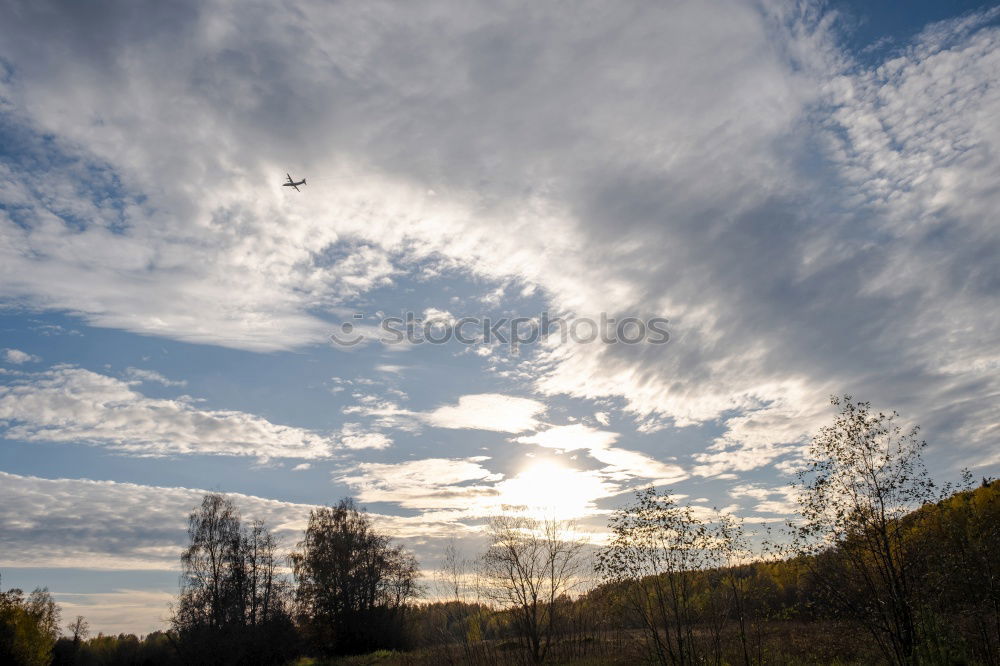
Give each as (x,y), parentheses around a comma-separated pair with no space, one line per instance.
(70,404)
(295,259)
(432,483)
(121,610)
(808,224)
(49,330)
(571,437)
(141,375)
(765,433)
(353,437)
(18,357)
(80,523)
(553,491)
(625,465)
(464,491)
(108,525)
(621,464)
(487,411)
(781,500)
(482,411)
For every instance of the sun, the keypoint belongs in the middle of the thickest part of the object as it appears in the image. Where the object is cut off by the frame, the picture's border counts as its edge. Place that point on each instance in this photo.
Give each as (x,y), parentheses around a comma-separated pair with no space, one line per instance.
(548,490)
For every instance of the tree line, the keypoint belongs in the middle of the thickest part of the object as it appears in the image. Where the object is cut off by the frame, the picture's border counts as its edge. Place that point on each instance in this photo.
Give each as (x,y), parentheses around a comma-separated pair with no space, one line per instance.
(880,565)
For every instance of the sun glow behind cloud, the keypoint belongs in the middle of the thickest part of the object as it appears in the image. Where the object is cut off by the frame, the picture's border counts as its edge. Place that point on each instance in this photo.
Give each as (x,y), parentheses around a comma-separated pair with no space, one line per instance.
(547,490)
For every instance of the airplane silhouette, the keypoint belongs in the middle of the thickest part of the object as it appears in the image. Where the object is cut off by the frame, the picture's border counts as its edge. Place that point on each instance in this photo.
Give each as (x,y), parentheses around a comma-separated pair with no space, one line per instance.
(292,183)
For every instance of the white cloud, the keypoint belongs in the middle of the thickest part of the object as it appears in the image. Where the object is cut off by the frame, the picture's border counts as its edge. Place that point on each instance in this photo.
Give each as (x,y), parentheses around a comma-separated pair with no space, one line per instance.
(49,330)
(439,317)
(142,375)
(70,404)
(571,437)
(766,434)
(465,490)
(18,357)
(625,465)
(301,467)
(432,483)
(621,464)
(487,411)
(353,437)
(781,500)
(553,491)
(482,411)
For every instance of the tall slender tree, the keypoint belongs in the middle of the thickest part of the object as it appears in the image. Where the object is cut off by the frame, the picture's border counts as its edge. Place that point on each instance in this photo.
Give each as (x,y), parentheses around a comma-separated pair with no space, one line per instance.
(656,546)
(864,475)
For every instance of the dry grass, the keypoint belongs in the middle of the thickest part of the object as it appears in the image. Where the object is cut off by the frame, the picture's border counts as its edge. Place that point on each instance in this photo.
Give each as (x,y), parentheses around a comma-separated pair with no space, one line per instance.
(784,643)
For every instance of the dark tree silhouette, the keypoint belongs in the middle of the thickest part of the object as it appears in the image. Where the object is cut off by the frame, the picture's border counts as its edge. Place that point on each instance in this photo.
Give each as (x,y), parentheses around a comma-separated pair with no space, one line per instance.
(79,629)
(353,585)
(233,605)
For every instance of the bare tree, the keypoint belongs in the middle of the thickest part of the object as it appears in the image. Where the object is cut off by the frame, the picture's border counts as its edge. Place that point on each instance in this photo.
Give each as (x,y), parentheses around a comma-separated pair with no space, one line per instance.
(451,584)
(265,591)
(864,475)
(452,574)
(79,628)
(528,567)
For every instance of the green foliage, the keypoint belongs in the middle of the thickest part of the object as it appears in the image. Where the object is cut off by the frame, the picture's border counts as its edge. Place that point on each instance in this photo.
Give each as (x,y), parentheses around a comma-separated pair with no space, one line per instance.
(29,627)
(959,539)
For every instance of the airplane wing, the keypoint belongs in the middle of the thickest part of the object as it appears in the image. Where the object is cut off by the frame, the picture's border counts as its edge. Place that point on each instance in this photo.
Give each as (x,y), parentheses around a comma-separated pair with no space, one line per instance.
(296,189)
(289,178)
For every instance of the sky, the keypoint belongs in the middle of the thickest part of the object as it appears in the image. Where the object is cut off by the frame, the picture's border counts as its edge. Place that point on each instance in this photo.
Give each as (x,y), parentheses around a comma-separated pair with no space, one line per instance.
(802,194)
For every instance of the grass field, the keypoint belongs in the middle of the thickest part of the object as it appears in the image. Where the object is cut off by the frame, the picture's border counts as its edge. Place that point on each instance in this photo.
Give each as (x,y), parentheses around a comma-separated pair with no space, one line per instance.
(783,643)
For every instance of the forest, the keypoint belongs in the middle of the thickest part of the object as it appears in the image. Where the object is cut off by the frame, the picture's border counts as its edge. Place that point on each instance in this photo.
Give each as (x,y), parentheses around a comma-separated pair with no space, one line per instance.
(881,564)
